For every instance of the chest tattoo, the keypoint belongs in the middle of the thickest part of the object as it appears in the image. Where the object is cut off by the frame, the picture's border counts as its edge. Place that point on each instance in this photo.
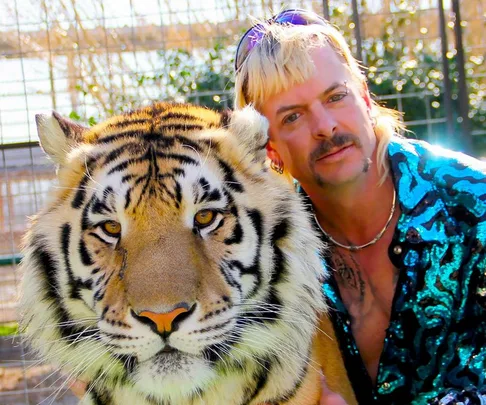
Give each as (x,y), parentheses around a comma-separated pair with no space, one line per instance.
(348,273)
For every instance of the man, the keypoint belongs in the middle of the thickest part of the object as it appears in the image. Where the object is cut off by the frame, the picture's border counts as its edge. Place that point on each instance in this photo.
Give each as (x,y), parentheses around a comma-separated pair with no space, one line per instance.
(405,222)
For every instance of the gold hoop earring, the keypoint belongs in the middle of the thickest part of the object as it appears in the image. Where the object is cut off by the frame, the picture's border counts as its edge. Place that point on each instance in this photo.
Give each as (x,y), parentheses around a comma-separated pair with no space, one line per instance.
(277,167)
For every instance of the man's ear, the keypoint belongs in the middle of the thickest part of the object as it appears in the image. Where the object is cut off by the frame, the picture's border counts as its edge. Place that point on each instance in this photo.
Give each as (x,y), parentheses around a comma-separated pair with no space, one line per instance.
(272,153)
(58,135)
(365,93)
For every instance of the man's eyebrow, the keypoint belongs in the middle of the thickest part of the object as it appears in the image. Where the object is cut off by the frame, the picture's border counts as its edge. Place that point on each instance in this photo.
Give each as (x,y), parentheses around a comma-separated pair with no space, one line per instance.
(330,89)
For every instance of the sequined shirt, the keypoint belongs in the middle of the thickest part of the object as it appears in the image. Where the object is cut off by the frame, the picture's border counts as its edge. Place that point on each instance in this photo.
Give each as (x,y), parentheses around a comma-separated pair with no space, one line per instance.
(435,345)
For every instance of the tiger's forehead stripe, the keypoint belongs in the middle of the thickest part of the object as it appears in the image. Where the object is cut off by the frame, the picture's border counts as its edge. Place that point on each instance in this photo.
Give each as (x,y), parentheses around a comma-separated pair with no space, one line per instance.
(141,142)
(159,117)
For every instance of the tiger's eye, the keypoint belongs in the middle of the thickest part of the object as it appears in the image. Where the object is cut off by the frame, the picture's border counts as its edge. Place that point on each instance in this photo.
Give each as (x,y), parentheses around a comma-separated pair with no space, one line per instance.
(112,228)
(204,217)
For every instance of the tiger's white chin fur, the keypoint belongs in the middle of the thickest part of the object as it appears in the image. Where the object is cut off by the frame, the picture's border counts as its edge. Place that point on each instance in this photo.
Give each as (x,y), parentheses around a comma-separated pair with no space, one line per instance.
(173,376)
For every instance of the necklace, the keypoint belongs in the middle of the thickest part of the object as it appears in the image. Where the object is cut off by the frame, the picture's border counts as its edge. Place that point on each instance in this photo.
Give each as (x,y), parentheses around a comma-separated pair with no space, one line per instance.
(371,242)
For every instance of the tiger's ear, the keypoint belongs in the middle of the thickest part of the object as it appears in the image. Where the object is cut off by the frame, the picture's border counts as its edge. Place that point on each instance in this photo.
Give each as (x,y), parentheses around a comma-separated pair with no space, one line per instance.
(251,131)
(58,135)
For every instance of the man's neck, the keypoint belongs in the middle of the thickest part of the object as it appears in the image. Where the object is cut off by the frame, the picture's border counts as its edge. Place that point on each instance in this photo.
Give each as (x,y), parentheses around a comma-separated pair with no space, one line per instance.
(356,212)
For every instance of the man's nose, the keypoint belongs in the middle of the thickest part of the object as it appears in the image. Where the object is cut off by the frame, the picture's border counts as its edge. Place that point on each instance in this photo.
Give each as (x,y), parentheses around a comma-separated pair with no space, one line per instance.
(324,124)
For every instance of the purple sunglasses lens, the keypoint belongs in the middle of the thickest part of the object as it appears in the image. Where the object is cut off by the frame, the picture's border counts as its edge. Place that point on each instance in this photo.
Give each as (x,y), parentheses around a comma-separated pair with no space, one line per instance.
(293,18)
(255,34)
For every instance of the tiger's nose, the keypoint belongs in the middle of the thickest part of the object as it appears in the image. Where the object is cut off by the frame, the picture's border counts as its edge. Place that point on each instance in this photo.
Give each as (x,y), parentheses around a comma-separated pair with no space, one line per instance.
(167,322)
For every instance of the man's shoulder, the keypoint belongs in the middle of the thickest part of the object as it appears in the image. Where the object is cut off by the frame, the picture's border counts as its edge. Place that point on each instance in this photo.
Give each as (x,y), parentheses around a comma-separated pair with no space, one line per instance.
(421,168)
(442,166)
(435,156)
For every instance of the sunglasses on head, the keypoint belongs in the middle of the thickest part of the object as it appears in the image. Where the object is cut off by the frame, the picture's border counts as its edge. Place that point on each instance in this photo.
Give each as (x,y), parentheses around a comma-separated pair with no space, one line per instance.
(253,36)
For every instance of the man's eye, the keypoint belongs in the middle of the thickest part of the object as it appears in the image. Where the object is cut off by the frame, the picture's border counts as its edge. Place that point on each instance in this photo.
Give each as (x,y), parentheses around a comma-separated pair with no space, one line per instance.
(289,119)
(337,97)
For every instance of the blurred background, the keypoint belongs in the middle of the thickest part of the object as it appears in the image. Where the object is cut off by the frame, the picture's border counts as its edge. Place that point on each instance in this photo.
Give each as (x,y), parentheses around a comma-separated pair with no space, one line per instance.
(89,59)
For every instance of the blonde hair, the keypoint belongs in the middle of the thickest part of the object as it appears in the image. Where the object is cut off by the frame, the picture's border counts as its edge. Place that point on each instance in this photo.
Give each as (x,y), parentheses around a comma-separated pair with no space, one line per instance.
(282,59)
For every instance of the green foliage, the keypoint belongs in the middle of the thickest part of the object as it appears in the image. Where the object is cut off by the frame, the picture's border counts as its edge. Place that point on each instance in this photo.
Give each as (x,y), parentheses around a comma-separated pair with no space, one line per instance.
(415,78)
(8,329)
(205,78)
(216,81)
(74,116)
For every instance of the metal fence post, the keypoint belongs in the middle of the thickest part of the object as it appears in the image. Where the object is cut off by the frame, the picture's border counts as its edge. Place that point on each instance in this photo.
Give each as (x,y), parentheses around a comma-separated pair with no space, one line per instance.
(466,140)
(357,32)
(325,9)
(447,79)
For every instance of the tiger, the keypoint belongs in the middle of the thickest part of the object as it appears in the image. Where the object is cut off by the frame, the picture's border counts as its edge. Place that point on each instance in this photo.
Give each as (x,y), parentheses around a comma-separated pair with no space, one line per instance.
(171,266)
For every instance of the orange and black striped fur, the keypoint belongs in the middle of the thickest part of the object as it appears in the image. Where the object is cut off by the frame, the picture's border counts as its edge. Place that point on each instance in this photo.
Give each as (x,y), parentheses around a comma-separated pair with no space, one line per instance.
(170,266)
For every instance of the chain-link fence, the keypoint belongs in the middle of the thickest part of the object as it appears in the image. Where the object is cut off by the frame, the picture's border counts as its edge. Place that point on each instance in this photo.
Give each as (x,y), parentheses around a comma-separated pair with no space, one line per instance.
(92,58)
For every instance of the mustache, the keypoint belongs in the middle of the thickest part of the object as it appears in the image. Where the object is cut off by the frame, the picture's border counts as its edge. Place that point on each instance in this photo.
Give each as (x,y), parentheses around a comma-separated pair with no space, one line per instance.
(336,141)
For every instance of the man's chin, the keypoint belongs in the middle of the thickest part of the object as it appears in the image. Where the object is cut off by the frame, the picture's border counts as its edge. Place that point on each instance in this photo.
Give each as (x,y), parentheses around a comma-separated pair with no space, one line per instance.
(173,375)
(339,175)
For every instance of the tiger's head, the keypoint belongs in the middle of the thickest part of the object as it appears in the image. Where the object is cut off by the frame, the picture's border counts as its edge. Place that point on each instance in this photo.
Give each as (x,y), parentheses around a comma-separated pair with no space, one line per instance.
(169,261)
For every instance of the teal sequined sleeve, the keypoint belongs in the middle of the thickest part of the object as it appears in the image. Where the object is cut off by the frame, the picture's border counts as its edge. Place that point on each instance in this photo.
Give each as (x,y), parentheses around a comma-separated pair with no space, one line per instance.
(463,380)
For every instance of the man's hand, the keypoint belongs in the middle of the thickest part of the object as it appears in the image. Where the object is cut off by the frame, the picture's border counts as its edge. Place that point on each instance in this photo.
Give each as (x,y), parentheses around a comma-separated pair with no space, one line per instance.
(328,397)
(78,388)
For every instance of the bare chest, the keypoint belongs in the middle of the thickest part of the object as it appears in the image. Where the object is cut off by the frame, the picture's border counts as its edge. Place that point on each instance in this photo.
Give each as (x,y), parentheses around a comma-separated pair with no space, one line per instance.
(367,282)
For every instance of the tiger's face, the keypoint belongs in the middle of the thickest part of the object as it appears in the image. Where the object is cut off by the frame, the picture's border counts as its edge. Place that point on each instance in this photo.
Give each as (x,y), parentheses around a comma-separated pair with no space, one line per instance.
(169,256)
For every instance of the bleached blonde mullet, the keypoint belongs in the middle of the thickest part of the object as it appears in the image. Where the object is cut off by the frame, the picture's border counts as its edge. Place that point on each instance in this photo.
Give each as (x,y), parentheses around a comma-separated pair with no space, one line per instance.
(282,59)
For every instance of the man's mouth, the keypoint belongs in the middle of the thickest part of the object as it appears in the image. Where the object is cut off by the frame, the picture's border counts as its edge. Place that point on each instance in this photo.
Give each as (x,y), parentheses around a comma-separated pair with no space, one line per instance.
(335,152)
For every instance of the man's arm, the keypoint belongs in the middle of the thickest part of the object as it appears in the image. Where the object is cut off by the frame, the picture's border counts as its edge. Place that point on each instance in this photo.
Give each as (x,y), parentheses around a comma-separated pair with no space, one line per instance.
(469,396)
(471,342)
